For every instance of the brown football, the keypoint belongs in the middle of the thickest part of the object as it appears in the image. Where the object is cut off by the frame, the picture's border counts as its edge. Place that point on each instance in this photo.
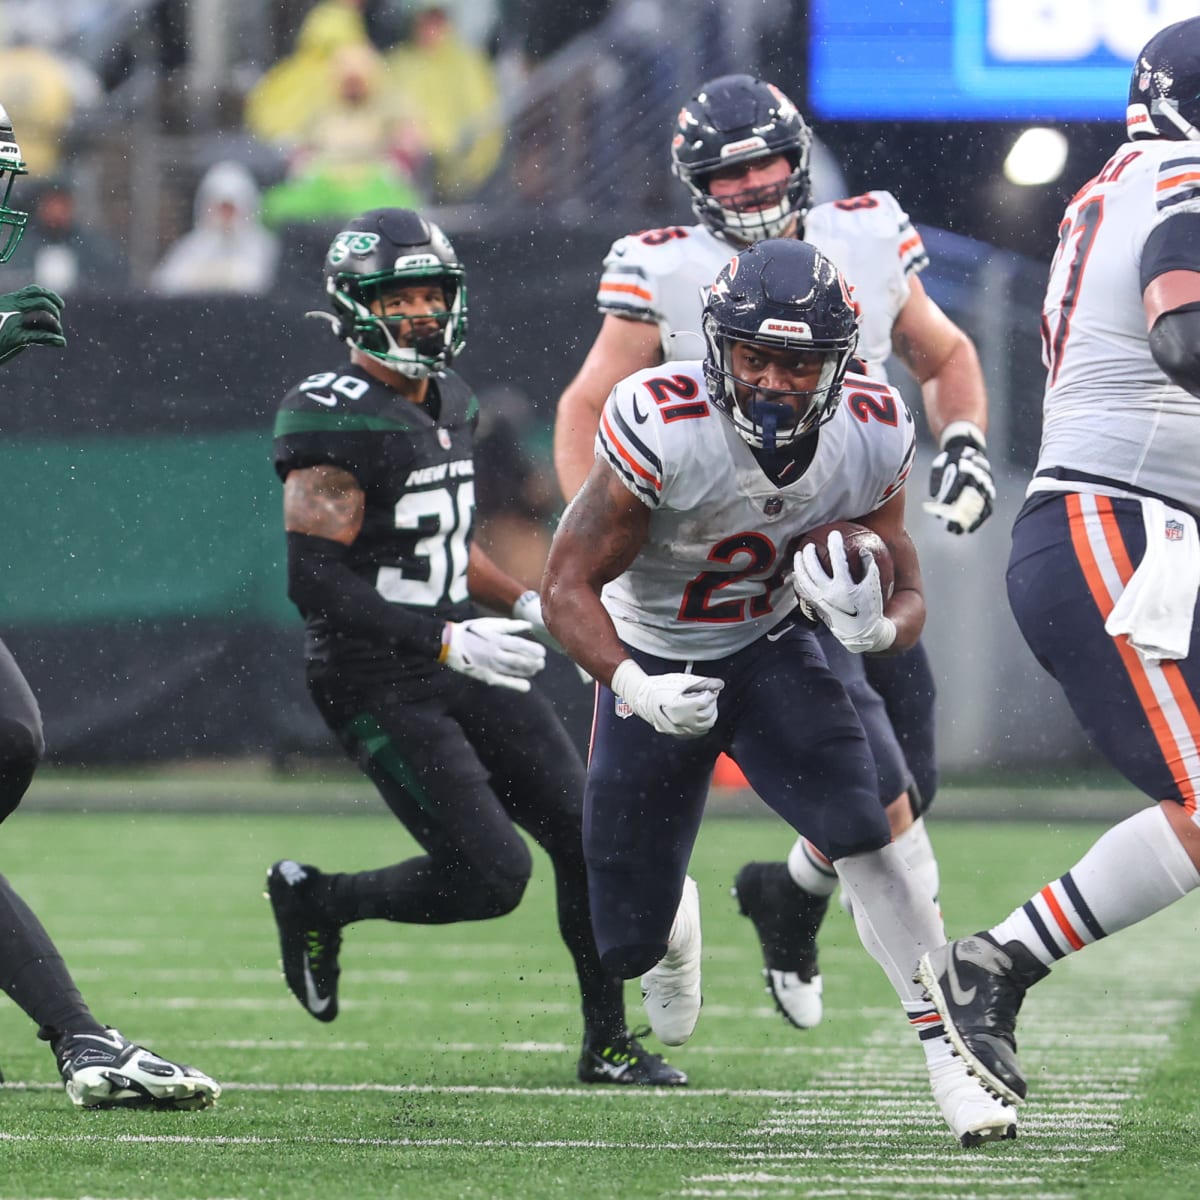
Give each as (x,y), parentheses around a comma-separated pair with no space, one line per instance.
(856,538)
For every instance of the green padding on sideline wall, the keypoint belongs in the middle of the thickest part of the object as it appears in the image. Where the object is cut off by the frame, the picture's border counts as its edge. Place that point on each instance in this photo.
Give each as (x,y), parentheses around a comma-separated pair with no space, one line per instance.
(120,528)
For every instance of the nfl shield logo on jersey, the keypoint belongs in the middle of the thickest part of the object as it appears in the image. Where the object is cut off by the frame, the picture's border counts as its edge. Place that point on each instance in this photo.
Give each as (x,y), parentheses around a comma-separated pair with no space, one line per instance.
(773,507)
(443,439)
(1174,531)
(622,709)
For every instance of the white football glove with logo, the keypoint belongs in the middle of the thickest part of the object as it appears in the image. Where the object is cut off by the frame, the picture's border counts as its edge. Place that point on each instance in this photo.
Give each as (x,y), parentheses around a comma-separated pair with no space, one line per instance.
(960,481)
(488,649)
(853,611)
(682,705)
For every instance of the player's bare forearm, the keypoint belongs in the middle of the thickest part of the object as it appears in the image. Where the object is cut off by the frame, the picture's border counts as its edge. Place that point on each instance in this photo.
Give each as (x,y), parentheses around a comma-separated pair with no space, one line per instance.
(575,425)
(489,584)
(955,391)
(943,360)
(600,535)
(621,347)
(907,604)
(323,501)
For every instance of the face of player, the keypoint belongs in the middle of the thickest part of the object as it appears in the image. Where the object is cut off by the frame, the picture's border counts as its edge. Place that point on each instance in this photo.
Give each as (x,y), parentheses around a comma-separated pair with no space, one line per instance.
(774,374)
(751,186)
(413,311)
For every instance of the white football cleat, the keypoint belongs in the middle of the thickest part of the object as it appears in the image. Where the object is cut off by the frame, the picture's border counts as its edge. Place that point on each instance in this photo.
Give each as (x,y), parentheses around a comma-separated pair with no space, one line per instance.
(671,988)
(799,999)
(106,1070)
(974,1115)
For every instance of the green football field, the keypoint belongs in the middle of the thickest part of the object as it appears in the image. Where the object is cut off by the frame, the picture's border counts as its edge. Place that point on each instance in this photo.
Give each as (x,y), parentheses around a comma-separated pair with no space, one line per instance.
(450,1072)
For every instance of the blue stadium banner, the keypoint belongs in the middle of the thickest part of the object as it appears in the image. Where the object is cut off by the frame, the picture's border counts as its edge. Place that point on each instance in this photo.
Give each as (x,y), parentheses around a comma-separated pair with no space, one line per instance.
(1005,60)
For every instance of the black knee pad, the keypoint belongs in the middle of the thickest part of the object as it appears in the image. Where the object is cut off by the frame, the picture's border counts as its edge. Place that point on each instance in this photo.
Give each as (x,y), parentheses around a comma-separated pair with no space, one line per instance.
(21,749)
(629,962)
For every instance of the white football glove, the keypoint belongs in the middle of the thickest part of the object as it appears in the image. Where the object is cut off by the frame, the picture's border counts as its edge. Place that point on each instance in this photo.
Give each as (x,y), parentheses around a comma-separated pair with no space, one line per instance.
(853,611)
(960,481)
(682,705)
(528,607)
(488,649)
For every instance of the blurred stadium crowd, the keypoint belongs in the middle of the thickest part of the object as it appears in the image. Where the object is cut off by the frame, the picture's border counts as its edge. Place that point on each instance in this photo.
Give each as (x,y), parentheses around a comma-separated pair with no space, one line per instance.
(223,123)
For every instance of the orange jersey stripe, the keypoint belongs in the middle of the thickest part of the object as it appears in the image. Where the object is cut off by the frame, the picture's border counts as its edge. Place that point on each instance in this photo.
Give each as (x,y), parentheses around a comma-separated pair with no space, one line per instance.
(634,465)
(912,243)
(1060,917)
(631,288)
(1175,180)
(1134,666)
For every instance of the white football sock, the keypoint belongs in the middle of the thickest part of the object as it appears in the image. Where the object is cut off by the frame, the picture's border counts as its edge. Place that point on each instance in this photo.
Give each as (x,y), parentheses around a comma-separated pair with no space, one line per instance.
(897,921)
(1136,869)
(810,869)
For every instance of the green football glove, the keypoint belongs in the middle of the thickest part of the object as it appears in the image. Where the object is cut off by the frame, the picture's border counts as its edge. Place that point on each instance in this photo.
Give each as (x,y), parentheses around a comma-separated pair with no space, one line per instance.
(30,317)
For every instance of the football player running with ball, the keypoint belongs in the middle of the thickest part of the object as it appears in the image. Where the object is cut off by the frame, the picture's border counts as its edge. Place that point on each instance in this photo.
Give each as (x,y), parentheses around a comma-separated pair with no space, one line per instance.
(430,699)
(674,580)
(741,148)
(1105,563)
(100,1067)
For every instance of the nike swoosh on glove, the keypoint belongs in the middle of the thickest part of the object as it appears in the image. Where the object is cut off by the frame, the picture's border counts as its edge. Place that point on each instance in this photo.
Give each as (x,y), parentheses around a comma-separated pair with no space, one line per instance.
(960,480)
(488,649)
(681,705)
(30,317)
(853,611)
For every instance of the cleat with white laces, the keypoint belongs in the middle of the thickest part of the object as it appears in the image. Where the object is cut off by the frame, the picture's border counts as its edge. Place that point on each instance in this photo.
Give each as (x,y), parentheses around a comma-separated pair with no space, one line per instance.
(624,1060)
(786,919)
(671,988)
(309,941)
(974,1115)
(106,1070)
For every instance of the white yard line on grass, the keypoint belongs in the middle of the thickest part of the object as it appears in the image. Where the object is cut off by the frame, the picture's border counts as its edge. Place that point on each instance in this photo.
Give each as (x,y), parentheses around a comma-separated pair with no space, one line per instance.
(1088,1036)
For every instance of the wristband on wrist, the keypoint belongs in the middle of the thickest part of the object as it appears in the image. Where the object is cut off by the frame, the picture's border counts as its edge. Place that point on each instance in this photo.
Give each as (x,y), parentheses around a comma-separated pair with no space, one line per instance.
(967,429)
(444,652)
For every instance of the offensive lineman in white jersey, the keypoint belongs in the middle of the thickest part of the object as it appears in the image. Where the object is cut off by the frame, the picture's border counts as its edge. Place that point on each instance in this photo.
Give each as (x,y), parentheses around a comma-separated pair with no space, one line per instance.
(676,580)
(1105,564)
(741,147)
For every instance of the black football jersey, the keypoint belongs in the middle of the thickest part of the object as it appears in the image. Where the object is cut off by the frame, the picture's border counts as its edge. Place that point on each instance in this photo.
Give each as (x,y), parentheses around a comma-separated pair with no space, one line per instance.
(418,475)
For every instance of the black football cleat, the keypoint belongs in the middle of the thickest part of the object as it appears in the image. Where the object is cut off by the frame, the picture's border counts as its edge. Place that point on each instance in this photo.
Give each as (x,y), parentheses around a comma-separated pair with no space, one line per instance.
(626,1061)
(977,987)
(786,919)
(309,942)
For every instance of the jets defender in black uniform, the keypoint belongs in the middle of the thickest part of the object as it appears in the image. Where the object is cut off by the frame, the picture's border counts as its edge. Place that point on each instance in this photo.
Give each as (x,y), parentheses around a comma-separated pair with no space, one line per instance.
(432,701)
(101,1069)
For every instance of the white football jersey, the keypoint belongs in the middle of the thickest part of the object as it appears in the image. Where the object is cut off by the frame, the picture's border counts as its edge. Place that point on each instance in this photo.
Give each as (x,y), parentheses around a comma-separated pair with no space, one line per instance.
(664,275)
(715,571)
(1109,411)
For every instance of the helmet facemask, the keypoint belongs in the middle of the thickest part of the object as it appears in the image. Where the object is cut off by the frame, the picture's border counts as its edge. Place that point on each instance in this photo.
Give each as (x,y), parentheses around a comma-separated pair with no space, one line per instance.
(12,220)
(787,300)
(756,213)
(731,121)
(357,297)
(763,422)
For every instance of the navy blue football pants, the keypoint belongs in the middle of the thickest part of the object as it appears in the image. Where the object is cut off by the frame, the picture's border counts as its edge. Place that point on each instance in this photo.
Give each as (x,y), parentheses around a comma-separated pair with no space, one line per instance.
(784,718)
(1072,555)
